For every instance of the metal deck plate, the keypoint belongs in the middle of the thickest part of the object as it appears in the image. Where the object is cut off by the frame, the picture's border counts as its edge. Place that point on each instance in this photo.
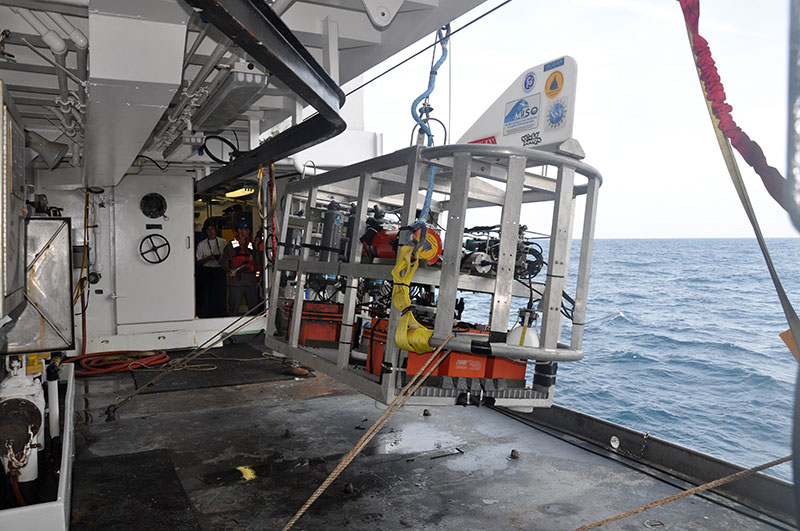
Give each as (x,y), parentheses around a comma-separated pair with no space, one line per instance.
(450,470)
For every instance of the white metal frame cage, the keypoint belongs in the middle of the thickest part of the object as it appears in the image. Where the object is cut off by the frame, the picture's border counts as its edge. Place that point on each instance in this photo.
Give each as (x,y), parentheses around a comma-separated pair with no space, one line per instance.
(462,174)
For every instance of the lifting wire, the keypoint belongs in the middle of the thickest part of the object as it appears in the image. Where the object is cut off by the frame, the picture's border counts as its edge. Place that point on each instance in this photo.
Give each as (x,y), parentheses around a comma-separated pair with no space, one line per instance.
(442,37)
(706,486)
(404,61)
(184,362)
(401,398)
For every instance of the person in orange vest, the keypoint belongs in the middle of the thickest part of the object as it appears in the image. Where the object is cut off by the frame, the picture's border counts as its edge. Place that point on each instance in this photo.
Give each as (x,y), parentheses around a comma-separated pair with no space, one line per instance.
(242,265)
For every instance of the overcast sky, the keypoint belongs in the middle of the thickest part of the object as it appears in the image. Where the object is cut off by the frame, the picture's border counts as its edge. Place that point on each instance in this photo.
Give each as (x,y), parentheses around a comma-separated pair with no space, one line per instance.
(640,115)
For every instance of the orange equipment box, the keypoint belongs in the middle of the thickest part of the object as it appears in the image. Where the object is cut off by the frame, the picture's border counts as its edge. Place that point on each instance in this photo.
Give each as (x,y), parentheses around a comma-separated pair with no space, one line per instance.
(505,368)
(321,325)
(457,364)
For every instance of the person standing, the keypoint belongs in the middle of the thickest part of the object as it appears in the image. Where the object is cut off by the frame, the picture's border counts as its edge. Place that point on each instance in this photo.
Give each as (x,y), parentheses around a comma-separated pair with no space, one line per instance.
(242,265)
(212,277)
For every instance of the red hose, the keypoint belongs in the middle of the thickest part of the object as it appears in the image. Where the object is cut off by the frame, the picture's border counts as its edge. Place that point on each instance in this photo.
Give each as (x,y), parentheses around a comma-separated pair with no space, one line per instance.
(17,494)
(83,324)
(116,361)
(271,199)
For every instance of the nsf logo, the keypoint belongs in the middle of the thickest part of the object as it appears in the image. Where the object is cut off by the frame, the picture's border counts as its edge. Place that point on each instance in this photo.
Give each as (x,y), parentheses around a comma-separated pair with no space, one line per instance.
(529,82)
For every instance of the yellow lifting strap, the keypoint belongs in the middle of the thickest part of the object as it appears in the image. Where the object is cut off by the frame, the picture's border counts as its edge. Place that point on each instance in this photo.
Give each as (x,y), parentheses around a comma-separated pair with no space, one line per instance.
(410,335)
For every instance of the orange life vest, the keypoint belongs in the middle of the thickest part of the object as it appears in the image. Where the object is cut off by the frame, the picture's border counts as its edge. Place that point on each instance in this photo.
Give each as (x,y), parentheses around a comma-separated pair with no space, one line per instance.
(243,256)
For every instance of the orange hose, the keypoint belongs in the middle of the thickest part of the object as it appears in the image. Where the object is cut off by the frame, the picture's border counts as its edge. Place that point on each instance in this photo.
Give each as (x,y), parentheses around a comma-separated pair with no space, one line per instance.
(116,361)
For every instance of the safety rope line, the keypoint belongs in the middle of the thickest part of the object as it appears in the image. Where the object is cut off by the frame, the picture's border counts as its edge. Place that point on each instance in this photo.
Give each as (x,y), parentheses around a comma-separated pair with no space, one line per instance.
(715,92)
(724,125)
(183,362)
(401,398)
(706,486)
(442,37)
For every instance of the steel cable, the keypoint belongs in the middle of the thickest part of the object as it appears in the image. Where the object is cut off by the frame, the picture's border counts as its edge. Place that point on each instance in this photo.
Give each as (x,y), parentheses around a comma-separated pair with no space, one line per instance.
(684,494)
(401,398)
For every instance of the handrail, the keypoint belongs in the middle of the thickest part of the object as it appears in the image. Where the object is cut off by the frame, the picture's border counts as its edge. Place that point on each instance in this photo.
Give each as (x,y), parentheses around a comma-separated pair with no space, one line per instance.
(488,150)
(257,30)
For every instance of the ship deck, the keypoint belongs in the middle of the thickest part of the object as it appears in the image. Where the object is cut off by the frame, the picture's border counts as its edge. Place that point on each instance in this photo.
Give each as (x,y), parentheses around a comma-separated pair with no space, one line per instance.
(247,456)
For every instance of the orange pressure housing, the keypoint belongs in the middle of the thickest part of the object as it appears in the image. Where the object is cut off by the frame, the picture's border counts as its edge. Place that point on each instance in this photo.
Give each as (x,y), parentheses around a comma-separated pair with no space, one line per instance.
(384,245)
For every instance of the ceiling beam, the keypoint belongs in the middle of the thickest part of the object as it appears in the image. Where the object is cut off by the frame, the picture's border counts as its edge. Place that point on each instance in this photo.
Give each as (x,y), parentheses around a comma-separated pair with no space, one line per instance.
(33,90)
(38,102)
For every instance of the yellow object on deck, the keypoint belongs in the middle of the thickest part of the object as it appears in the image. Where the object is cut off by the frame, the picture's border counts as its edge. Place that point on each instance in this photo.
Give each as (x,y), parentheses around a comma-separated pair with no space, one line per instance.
(410,335)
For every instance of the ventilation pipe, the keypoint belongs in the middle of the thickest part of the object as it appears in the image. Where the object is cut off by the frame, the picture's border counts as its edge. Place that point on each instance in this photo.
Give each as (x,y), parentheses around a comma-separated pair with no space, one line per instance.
(59,48)
(81,43)
(192,92)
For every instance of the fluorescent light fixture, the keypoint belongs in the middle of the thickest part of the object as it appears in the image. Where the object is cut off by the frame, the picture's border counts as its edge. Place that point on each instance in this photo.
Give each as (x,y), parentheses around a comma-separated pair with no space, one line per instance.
(232,92)
(241,192)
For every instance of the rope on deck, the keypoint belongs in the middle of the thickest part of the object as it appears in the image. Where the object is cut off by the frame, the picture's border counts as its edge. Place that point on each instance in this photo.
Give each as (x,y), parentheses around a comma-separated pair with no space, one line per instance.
(391,409)
(184,362)
(684,494)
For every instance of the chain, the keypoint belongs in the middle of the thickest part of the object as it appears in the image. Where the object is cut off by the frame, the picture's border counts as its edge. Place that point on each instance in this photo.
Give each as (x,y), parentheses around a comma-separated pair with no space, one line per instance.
(17,463)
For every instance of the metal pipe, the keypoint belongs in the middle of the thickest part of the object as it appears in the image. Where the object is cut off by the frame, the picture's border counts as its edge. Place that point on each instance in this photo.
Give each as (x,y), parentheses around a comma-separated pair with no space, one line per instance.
(63,91)
(198,80)
(205,70)
(302,168)
(53,408)
(50,37)
(464,343)
(59,48)
(81,43)
(195,46)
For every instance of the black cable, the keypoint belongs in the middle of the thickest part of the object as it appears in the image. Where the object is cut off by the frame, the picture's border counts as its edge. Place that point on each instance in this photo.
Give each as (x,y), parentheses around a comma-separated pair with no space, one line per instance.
(567,312)
(235,151)
(476,19)
(482,229)
(237,139)
(159,166)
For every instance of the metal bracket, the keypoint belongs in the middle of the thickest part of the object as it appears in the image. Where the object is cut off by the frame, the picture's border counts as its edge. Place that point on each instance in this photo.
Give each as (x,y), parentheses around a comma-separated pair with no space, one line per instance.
(382,12)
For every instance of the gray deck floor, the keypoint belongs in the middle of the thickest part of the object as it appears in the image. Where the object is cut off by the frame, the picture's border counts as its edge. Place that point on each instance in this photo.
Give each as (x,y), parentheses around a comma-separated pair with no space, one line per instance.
(413,475)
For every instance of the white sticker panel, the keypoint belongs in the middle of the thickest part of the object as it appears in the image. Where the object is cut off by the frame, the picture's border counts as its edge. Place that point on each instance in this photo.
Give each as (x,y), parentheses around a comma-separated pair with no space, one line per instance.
(536,111)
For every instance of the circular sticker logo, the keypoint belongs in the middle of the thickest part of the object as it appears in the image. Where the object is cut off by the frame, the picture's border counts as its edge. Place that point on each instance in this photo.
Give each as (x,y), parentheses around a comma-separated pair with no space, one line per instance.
(528,82)
(554,83)
(556,114)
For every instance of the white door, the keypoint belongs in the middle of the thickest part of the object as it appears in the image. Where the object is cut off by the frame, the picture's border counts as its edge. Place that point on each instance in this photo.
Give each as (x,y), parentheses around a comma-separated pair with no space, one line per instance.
(153,248)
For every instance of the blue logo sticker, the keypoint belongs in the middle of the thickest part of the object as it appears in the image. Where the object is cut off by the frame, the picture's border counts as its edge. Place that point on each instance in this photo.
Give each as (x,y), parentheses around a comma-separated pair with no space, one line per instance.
(554,64)
(529,82)
(556,114)
(521,114)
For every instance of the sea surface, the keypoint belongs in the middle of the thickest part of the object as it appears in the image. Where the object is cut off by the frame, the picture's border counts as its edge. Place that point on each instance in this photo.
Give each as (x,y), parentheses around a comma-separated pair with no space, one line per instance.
(682,341)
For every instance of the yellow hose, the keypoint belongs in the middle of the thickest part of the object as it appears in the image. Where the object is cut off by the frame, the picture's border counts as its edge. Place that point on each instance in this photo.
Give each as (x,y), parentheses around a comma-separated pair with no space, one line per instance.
(410,335)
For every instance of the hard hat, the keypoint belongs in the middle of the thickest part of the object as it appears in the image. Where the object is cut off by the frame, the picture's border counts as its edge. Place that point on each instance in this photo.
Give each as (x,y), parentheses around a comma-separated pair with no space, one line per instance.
(242,224)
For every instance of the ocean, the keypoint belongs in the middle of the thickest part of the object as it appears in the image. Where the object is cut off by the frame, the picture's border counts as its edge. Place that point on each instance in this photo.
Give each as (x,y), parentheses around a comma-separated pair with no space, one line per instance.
(682,341)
